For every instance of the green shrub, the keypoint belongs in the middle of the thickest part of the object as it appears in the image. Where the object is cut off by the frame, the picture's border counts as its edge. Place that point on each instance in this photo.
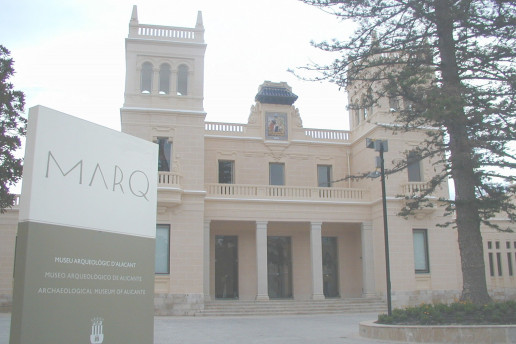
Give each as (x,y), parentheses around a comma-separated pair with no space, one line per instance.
(499,313)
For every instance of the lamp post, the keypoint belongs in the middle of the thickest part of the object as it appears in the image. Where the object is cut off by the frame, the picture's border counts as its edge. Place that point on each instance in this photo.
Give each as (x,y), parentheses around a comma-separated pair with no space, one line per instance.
(382,146)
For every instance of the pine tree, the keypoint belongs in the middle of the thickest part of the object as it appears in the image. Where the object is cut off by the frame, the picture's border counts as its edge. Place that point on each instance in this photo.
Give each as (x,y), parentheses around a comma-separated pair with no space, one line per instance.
(453,64)
(11,130)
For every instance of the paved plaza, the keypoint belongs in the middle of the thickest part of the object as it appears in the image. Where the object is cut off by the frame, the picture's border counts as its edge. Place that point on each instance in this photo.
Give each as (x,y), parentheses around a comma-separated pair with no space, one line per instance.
(301,329)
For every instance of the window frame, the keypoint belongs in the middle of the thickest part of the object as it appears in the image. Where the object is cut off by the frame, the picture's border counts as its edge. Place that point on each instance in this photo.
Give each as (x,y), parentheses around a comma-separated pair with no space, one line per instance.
(146,72)
(232,171)
(329,172)
(282,164)
(426,257)
(162,143)
(182,80)
(414,168)
(166,227)
(164,78)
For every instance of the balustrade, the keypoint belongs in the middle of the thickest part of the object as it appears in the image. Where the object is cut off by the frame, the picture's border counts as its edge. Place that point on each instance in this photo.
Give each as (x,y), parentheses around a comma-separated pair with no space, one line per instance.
(414,188)
(327,134)
(285,192)
(224,127)
(169,33)
(168,179)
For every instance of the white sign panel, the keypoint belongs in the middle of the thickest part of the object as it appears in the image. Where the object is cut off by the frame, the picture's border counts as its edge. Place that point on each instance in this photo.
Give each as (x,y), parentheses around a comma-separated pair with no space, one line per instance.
(98,176)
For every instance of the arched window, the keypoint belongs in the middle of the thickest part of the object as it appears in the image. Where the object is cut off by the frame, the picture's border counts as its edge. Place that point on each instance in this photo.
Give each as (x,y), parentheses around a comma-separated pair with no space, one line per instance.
(146,78)
(182,80)
(164,79)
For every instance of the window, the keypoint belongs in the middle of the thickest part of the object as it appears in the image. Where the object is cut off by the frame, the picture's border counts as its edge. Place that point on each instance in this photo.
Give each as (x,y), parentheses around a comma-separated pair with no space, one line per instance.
(414,168)
(324,176)
(164,79)
(276,173)
(491,264)
(393,104)
(421,262)
(164,154)
(226,171)
(162,264)
(182,80)
(146,78)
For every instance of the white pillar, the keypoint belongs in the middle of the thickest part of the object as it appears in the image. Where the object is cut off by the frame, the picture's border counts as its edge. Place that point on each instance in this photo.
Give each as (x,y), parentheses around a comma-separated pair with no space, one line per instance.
(261,261)
(368,284)
(206,261)
(316,259)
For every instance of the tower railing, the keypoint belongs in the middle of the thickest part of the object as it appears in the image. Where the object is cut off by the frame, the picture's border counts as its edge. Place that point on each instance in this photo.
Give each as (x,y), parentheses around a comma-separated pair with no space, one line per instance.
(167,33)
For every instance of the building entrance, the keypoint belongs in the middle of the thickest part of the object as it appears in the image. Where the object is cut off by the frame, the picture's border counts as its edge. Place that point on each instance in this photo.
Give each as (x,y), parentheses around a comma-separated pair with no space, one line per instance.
(330,267)
(279,267)
(226,267)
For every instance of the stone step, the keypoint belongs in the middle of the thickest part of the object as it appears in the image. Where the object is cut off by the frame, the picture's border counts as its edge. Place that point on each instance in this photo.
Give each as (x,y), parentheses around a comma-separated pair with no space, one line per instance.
(292,307)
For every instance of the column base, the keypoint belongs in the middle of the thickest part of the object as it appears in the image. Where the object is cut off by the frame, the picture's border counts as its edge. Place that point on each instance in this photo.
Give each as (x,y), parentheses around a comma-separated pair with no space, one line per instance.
(318,297)
(262,297)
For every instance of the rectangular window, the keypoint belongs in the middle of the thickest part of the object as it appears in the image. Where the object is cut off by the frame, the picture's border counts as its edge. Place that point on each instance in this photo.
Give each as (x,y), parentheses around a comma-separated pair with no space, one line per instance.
(324,176)
(421,261)
(162,265)
(509,262)
(414,168)
(276,173)
(164,154)
(491,264)
(499,263)
(226,171)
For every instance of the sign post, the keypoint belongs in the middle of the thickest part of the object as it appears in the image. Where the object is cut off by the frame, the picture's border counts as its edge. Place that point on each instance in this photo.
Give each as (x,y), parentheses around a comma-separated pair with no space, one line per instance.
(84,263)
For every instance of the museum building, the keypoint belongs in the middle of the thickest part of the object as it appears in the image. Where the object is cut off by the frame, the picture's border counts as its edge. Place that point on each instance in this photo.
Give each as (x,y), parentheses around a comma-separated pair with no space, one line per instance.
(265,210)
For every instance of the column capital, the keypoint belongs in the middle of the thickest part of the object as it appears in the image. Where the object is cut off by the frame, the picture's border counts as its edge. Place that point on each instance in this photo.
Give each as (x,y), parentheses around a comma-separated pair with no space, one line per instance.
(261,224)
(316,224)
(367,225)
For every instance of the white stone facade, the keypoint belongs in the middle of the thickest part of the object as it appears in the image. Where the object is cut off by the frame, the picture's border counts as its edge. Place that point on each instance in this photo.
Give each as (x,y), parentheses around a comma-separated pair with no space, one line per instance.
(234,235)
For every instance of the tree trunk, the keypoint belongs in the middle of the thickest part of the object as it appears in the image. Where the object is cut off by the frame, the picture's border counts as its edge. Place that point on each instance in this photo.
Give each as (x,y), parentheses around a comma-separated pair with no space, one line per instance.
(462,164)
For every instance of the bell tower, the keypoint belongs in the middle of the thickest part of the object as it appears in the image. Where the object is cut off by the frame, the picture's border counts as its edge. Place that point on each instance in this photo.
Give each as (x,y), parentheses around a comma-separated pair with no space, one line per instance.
(163,103)
(164,66)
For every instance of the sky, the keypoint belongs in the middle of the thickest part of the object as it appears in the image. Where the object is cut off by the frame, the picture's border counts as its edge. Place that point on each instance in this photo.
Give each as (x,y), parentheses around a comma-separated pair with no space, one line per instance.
(69,54)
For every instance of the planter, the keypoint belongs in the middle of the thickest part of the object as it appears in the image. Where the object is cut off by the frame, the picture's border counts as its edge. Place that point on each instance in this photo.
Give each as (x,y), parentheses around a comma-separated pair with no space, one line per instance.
(470,334)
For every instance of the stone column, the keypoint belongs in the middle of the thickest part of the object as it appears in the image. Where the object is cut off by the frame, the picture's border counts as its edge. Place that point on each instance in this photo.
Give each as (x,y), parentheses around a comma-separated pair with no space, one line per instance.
(155,80)
(206,261)
(316,260)
(368,283)
(261,261)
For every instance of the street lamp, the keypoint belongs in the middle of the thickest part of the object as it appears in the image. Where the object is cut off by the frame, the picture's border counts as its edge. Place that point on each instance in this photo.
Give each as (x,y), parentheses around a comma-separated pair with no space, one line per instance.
(382,146)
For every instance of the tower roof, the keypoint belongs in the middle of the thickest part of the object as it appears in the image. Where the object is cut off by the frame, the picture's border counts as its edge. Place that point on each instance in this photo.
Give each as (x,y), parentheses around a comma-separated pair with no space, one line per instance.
(275,93)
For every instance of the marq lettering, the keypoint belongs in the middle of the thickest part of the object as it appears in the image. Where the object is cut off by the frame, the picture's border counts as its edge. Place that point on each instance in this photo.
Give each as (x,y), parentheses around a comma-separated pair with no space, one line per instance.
(138,183)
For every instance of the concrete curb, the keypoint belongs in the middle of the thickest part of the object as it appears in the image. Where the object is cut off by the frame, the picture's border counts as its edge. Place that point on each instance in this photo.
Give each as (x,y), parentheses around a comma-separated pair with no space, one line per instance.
(470,334)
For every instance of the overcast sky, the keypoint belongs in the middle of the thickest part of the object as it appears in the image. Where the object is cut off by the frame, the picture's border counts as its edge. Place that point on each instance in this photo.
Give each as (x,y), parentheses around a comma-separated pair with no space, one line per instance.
(69,55)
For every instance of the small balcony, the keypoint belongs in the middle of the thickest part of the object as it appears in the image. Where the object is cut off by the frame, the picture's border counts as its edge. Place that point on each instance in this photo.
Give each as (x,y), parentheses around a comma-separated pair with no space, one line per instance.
(274,192)
(412,189)
(169,189)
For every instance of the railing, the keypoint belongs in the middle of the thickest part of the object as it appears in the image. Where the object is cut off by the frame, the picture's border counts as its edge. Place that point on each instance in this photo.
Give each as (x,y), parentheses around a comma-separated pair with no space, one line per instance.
(327,134)
(414,188)
(285,192)
(168,33)
(224,127)
(168,179)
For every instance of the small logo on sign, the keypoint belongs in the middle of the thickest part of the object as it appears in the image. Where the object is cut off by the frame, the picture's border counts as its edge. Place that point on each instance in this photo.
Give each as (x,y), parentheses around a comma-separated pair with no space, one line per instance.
(97,336)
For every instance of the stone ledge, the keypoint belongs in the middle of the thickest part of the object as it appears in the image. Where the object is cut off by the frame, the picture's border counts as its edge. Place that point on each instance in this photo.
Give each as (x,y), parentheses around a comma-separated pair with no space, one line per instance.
(471,334)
